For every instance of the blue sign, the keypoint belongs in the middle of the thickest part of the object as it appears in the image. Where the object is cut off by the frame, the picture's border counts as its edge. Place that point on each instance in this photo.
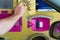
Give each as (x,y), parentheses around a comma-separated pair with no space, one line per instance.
(42,6)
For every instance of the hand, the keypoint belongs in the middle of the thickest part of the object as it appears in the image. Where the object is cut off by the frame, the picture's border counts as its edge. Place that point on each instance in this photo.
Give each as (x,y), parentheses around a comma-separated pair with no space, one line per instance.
(7,23)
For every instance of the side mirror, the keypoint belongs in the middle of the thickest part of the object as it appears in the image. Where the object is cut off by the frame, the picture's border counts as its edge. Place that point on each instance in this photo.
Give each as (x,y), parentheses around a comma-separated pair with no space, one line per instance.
(54,31)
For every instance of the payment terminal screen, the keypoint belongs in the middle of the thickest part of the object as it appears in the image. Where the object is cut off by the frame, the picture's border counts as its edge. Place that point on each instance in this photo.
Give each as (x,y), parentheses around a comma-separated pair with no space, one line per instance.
(54,3)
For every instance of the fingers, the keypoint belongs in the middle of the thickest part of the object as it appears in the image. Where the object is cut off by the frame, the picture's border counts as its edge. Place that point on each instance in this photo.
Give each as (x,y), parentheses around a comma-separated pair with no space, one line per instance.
(19,5)
(20,9)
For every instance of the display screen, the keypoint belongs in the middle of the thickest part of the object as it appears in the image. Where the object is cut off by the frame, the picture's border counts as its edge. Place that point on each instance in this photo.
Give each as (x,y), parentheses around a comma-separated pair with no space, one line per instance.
(54,3)
(6,4)
(57,3)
